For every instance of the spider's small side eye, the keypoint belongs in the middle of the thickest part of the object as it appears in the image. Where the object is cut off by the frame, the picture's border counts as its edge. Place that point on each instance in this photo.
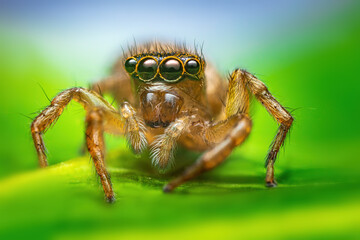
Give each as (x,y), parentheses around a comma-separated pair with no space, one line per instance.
(171,69)
(130,65)
(147,69)
(192,66)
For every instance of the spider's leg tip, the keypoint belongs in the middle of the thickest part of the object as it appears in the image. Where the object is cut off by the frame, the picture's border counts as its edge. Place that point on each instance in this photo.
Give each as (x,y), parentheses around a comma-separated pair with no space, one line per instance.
(110,199)
(44,165)
(168,188)
(271,184)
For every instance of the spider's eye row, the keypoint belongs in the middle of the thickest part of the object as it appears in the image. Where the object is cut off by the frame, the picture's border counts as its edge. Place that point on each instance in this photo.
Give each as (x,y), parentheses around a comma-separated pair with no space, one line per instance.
(171,69)
(130,65)
(192,66)
(147,69)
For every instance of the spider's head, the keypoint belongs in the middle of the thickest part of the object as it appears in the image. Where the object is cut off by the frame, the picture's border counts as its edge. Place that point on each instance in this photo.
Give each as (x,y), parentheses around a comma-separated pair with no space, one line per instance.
(165,83)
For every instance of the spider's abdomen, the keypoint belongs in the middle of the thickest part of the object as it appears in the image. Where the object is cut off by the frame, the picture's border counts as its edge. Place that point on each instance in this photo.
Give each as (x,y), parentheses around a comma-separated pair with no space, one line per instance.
(160,108)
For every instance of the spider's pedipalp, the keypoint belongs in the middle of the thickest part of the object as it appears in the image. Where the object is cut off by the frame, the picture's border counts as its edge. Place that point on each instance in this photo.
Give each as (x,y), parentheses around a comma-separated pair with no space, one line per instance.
(134,128)
(162,150)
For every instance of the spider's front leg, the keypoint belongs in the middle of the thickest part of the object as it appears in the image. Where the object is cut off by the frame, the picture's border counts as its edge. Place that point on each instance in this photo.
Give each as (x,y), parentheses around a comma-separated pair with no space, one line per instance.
(95,146)
(225,136)
(101,116)
(118,86)
(282,116)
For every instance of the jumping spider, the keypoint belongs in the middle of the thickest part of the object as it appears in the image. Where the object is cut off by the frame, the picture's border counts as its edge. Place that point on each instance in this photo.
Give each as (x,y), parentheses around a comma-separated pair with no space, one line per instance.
(167,95)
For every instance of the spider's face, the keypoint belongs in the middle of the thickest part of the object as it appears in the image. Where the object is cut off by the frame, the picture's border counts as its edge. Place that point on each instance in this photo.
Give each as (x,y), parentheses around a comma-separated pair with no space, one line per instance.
(163,82)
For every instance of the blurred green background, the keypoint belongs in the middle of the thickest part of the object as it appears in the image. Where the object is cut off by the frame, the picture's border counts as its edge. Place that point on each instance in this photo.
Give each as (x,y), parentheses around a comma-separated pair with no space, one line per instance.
(307,53)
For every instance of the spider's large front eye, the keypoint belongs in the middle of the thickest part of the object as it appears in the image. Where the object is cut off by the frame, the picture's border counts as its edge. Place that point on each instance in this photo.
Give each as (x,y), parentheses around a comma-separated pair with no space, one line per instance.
(171,69)
(130,65)
(147,69)
(192,66)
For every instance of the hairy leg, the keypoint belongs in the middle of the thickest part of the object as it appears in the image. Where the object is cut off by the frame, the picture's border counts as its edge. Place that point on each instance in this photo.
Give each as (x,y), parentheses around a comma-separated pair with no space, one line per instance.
(118,85)
(238,96)
(237,133)
(51,113)
(48,116)
(125,123)
(95,145)
(97,109)
(244,80)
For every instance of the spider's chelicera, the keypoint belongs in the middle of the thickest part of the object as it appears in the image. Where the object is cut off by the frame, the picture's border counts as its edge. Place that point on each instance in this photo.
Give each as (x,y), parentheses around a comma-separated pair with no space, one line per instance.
(167,95)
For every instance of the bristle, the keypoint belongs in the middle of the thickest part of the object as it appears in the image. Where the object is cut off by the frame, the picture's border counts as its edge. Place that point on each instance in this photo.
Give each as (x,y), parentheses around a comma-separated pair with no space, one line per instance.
(156,47)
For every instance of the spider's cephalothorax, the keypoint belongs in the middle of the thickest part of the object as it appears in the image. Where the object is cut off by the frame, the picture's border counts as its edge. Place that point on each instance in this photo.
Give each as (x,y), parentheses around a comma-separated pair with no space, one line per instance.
(167,95)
